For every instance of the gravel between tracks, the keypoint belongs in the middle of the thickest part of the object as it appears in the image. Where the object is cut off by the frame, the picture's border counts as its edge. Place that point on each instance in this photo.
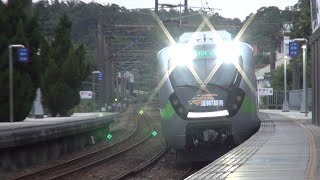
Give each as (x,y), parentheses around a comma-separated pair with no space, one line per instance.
(122,127)
(165,168)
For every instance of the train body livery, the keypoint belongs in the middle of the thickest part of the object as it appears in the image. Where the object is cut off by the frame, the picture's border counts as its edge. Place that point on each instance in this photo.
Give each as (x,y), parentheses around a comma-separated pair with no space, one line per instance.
(208,92)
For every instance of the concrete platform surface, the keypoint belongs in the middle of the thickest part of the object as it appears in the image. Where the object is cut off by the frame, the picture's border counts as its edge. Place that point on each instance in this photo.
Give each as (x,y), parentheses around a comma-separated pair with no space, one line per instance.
(287,149)
(297,115)
(35,130)
(32,122)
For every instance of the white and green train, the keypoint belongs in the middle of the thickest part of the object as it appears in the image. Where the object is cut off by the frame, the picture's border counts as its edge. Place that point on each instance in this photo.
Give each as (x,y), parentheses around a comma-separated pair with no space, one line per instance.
(209,93)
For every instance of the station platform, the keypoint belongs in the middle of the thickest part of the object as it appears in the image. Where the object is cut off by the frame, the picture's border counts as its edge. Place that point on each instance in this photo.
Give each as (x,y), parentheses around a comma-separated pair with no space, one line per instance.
(33,130)
(285,147)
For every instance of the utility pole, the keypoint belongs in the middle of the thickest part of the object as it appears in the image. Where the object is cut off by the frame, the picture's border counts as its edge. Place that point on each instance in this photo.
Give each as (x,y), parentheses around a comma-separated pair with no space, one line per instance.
(156,6)
(104,62)
(304,107)
(285,106)
(304,103)
(122,85)
(185,11)
(108,76)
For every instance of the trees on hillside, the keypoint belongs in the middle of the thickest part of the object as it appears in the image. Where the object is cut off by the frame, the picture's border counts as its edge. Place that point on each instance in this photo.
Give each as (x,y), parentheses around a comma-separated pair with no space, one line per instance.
(66,69)
(299,16)
(301,28)
(18,28)
(266,31)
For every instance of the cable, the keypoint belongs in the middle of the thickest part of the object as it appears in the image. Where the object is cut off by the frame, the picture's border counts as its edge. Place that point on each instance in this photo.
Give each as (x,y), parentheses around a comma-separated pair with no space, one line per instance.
(202,5)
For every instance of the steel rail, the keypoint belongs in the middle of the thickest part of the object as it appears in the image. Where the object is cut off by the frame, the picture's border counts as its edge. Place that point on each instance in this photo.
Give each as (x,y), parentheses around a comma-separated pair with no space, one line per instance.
(75,160)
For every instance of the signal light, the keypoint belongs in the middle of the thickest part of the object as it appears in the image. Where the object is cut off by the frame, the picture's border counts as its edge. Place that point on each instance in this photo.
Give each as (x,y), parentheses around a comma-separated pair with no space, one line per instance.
(154,133)
(109,136)
(140,112)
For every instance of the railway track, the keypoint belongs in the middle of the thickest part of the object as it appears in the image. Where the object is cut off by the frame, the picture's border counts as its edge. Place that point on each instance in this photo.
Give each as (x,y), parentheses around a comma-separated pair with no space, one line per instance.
(131,161)
(187,173)
(142,166)
(74,165)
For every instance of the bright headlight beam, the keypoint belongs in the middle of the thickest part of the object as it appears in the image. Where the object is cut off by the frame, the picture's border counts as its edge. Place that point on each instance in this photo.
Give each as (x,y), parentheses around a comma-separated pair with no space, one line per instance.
(194,73)
(246,79)
(214,70)
(228,52)
(163,80)
(205,18)
(171,68)
(202,85)
(182,55)
(164,29)
(244,28)
(193,37)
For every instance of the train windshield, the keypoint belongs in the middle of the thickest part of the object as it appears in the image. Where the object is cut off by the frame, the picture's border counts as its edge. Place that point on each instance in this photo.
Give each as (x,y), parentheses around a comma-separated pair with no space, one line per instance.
(206,69)
(219,79)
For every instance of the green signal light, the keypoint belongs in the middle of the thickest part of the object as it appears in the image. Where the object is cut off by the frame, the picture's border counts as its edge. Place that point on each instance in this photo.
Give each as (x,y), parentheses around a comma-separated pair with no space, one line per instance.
(141,112)
(100,114)
(109,136)
(154,133)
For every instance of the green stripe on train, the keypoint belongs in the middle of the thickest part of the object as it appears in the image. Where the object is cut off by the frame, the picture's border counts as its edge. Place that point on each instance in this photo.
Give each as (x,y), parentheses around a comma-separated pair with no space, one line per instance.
(167,111)
(248,105)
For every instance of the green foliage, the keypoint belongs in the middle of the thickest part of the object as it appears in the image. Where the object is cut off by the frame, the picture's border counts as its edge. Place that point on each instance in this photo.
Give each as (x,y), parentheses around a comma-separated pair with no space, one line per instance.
(85,105)
(264,29)
(18,28)
(301,22)
(278,80)
(261,59)
(278,77)
(66,69)
(84,19)
(266,26)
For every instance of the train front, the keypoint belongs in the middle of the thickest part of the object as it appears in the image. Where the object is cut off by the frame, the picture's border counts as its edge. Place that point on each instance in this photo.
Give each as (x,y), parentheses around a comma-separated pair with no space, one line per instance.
(203,92)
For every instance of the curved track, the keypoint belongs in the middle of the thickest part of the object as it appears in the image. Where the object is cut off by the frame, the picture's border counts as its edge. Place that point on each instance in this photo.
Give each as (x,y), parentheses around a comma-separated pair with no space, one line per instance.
(142,166)
(90,159)
(132,160)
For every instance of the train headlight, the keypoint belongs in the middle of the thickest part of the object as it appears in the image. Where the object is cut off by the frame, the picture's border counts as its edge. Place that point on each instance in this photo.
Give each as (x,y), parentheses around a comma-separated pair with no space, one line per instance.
(182,55)
(227,52)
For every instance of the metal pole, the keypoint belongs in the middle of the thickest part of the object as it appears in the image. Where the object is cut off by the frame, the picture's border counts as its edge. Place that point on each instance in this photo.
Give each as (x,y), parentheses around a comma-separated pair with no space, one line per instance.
(117,85)
(304,104)
(156,5)
(305,92)
(11,84)
(285,78)
(93,93)
(11,79)
(285,106)
(180,15)
(305,75)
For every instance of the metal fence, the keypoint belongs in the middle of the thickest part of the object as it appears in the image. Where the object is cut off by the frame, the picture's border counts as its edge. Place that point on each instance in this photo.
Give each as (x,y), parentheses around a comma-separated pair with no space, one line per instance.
(294,99)
(275,101)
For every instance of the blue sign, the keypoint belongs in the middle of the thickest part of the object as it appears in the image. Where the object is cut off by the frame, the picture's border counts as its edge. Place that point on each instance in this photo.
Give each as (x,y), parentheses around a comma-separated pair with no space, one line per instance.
(294,48)
(99,76)
(23,55)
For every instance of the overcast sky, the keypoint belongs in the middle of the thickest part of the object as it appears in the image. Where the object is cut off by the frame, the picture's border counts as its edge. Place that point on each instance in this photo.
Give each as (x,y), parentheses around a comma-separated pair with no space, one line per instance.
(230,8)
